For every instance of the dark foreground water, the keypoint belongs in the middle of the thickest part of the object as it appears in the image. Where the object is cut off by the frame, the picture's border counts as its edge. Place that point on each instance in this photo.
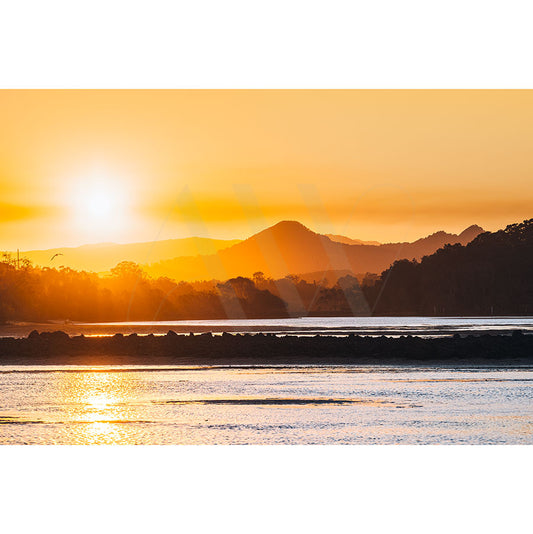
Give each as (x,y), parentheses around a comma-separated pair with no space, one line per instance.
(291,405)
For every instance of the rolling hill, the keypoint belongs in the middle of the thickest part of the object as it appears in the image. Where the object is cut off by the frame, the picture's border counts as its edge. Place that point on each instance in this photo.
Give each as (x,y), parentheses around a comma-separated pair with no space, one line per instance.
(291,248)
(285,248)
(104,256)
(349,240)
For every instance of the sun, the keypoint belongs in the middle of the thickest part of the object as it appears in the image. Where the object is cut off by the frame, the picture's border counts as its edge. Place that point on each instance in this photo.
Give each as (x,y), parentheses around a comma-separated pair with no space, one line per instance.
(100,202)
(99,207)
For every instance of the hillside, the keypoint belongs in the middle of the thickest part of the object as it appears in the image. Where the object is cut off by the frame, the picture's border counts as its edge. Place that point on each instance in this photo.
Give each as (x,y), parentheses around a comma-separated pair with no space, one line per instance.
(103,256)
(349,240)
(291,248)
(428,245)
(489,276)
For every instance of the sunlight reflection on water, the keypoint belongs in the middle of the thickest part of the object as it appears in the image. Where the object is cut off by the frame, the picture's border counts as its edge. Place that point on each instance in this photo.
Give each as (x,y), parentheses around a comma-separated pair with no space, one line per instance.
(297,405)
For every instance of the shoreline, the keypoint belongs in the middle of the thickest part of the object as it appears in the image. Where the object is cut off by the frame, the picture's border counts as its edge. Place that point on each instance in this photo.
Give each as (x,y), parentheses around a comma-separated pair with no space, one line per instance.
(29,367)
(264,350)
(372,327)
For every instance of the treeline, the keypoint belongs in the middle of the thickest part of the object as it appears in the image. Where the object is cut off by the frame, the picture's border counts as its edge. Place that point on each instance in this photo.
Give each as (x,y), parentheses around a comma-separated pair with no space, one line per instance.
(492,275)
(319,297)
(29,293)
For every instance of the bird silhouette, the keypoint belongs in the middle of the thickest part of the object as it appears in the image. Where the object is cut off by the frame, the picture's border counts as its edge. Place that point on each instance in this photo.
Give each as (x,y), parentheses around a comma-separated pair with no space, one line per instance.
(58,254)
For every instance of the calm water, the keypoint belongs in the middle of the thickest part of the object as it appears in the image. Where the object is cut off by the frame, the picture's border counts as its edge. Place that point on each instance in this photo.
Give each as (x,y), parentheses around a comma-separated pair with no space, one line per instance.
(425,326)
(296,405)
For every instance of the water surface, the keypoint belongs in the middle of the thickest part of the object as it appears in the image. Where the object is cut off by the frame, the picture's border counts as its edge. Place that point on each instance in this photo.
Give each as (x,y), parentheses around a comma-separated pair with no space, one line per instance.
(283,405)
(373,326)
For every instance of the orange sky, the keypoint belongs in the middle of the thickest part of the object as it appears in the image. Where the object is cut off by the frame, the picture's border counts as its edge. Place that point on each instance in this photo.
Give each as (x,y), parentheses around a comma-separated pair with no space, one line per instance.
(379,165)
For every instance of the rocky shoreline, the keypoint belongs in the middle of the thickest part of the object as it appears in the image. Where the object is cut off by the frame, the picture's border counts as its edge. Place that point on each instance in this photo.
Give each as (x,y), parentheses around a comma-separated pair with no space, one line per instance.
(58,348)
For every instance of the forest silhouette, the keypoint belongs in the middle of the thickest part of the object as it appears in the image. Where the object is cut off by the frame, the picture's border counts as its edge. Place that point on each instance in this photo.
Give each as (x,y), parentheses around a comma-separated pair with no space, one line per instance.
(491,275)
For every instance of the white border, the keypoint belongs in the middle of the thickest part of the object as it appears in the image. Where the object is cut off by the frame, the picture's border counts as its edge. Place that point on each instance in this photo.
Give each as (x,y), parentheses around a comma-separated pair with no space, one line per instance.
(382,44)
(275,44)
(265,489)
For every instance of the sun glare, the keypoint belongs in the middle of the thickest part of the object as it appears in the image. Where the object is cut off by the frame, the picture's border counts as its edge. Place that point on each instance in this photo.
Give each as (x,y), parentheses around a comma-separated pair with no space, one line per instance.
(99,207)
(100,203)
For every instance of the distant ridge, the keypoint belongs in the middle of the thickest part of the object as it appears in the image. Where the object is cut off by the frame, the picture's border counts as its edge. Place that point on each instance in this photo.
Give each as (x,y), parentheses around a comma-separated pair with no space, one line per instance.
(102,257)
(350,241)
(428,245)
(289,247)
(470,233)
(490,276)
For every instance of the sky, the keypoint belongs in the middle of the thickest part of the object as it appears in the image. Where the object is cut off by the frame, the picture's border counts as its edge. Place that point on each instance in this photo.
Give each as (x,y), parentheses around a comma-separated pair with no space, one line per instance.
(89,166)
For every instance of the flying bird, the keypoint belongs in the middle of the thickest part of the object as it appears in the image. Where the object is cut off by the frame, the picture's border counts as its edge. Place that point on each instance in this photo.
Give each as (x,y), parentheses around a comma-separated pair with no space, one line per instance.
(58,254)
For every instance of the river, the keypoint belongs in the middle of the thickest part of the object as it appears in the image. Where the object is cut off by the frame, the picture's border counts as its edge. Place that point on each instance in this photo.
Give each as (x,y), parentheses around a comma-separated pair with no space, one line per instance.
(281,405)
(374,326)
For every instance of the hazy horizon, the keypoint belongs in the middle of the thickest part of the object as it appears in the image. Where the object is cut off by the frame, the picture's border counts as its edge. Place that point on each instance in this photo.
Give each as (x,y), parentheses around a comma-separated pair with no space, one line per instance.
(127,166)
(242,238)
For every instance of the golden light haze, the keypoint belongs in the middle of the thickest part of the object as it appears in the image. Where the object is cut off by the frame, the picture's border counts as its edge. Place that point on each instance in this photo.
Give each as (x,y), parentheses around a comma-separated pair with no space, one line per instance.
(80,166)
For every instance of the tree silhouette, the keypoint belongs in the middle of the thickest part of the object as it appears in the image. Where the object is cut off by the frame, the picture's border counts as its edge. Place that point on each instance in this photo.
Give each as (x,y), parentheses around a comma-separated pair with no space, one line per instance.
(489,276)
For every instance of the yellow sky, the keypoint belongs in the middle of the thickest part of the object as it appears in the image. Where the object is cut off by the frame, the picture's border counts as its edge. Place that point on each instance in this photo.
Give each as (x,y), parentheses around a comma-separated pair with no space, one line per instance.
(381,165)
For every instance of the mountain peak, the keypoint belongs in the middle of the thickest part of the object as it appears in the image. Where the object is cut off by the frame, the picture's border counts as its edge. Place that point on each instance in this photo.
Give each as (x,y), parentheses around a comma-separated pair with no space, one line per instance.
(289,226)
(285,230)
(289,247)
(471,232)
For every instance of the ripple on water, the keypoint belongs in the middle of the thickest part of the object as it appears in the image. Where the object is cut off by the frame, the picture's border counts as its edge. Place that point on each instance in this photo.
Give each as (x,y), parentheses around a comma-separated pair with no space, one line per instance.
(296,405)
